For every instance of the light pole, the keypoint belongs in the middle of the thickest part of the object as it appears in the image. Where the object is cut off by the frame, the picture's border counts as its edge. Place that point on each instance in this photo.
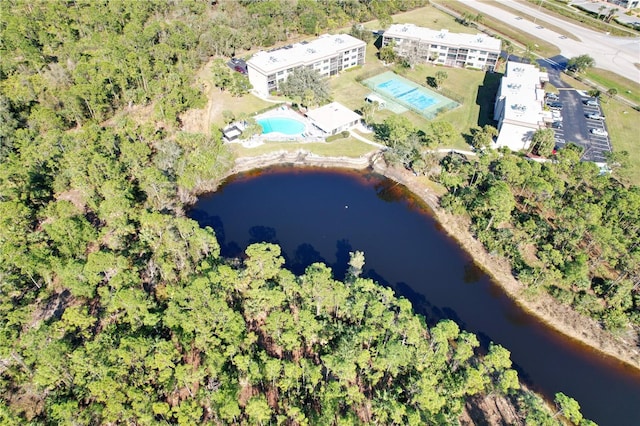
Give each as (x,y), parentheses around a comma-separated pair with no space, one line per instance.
(535,18)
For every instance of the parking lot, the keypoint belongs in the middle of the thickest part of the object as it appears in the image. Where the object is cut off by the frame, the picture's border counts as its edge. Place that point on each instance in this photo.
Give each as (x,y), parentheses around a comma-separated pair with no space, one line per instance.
(577,127)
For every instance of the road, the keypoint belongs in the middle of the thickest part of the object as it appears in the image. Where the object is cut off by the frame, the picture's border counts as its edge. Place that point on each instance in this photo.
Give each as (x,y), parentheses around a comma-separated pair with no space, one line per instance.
(616,54)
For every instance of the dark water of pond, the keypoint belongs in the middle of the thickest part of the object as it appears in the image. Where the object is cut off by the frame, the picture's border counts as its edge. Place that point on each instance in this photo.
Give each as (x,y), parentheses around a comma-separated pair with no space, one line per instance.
(322,215)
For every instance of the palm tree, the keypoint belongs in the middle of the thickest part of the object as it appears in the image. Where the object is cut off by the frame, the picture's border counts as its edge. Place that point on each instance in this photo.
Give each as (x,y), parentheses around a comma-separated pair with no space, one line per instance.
(509,50)
(440,77)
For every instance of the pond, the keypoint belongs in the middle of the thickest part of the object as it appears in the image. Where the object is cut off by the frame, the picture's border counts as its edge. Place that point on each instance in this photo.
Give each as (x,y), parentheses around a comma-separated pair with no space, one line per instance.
(322,215)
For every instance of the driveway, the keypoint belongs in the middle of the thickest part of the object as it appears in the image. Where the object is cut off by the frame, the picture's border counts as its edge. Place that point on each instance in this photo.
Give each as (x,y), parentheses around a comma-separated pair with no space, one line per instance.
(576,127)
(616,54)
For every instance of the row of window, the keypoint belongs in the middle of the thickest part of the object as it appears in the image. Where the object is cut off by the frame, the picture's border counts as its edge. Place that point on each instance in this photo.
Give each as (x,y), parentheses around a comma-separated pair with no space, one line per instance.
(436,46)
(272,81)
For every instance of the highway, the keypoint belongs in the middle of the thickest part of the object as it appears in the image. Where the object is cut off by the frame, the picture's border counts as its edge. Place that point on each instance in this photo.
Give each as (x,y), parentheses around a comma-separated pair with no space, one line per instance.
(616,54)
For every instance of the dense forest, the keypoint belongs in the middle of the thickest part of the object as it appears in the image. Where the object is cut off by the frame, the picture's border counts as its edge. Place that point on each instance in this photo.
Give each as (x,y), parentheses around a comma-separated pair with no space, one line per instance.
(115,308)
(565,227)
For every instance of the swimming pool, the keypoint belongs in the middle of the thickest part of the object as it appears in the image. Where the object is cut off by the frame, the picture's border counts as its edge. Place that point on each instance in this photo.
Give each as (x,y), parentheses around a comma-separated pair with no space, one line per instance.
(407,93)
(287,126)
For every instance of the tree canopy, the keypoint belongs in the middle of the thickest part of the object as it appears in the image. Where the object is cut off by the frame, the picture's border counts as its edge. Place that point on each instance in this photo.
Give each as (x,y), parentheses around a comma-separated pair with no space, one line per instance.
(566,229)
(307,85)
(580,63)
(116,308)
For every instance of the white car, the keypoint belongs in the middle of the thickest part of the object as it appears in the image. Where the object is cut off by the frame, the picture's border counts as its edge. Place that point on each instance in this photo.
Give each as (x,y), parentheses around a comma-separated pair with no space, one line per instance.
(599,132)
(595,116)
(592,102)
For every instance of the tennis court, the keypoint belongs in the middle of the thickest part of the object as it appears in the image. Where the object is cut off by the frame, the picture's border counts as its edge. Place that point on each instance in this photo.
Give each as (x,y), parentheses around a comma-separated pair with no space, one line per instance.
(402,94)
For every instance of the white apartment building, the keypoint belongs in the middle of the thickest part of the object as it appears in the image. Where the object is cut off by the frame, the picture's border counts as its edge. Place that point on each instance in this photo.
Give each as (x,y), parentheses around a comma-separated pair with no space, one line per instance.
(442,47)
(519,106)
(328,54)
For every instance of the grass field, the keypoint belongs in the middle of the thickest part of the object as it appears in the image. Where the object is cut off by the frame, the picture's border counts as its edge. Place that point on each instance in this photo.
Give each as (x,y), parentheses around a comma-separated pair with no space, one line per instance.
(247,104)
(349,147)
(477,89)
(626,88)
(431,17)
(622,123)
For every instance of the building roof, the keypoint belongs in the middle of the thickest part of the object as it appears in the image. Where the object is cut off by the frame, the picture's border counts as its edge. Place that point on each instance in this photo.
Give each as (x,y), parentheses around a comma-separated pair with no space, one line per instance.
(332,116)
(522,90)
(514,136)
(472,41)
(523,97)
(303,53)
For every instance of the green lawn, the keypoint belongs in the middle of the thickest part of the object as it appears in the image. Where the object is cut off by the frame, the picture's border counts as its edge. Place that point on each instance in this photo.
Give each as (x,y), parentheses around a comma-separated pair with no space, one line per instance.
(349,147)
(478,90)
(247,104)
(431,17)
(626,88)
(622,124)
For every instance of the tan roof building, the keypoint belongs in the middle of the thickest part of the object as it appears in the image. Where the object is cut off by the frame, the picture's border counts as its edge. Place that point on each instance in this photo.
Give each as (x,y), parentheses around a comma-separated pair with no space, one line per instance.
(333,118)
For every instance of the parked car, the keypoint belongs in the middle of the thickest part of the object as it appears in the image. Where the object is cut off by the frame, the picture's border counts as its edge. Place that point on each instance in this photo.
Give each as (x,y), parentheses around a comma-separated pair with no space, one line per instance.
(557,124)
(599,132)
(556,115)
(592,102)
(552,97)
(240,69)
(595,116)
(555,105)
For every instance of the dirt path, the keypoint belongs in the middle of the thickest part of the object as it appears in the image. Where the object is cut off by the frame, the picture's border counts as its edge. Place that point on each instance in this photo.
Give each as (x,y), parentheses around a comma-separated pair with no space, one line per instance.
(200,120)
(562,318)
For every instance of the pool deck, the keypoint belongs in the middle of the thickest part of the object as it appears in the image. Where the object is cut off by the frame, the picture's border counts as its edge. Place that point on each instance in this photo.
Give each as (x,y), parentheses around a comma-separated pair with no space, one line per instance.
(310,133)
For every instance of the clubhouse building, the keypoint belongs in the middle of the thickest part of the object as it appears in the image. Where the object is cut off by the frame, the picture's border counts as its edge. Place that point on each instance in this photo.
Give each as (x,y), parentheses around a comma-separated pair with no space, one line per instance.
(420,44)
(328,54)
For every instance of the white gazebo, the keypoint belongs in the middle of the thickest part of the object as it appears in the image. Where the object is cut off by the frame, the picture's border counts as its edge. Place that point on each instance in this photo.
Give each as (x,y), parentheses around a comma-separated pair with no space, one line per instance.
(373,98)
(333,118)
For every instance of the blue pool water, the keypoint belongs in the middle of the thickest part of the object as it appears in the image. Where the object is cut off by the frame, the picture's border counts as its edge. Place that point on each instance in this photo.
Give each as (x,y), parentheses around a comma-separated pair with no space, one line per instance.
(410,94)
(287,126)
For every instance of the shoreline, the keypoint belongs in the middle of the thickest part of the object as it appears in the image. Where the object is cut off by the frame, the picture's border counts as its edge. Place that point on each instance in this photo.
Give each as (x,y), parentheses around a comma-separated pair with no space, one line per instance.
(578,328)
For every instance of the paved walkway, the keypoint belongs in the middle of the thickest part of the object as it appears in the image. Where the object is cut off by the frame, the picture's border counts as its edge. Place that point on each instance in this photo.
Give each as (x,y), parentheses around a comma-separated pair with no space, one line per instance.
(361,128)
(384,147)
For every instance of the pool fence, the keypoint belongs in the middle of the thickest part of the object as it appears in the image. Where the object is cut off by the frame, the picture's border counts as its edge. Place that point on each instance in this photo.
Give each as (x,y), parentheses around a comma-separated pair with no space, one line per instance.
(402,94)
